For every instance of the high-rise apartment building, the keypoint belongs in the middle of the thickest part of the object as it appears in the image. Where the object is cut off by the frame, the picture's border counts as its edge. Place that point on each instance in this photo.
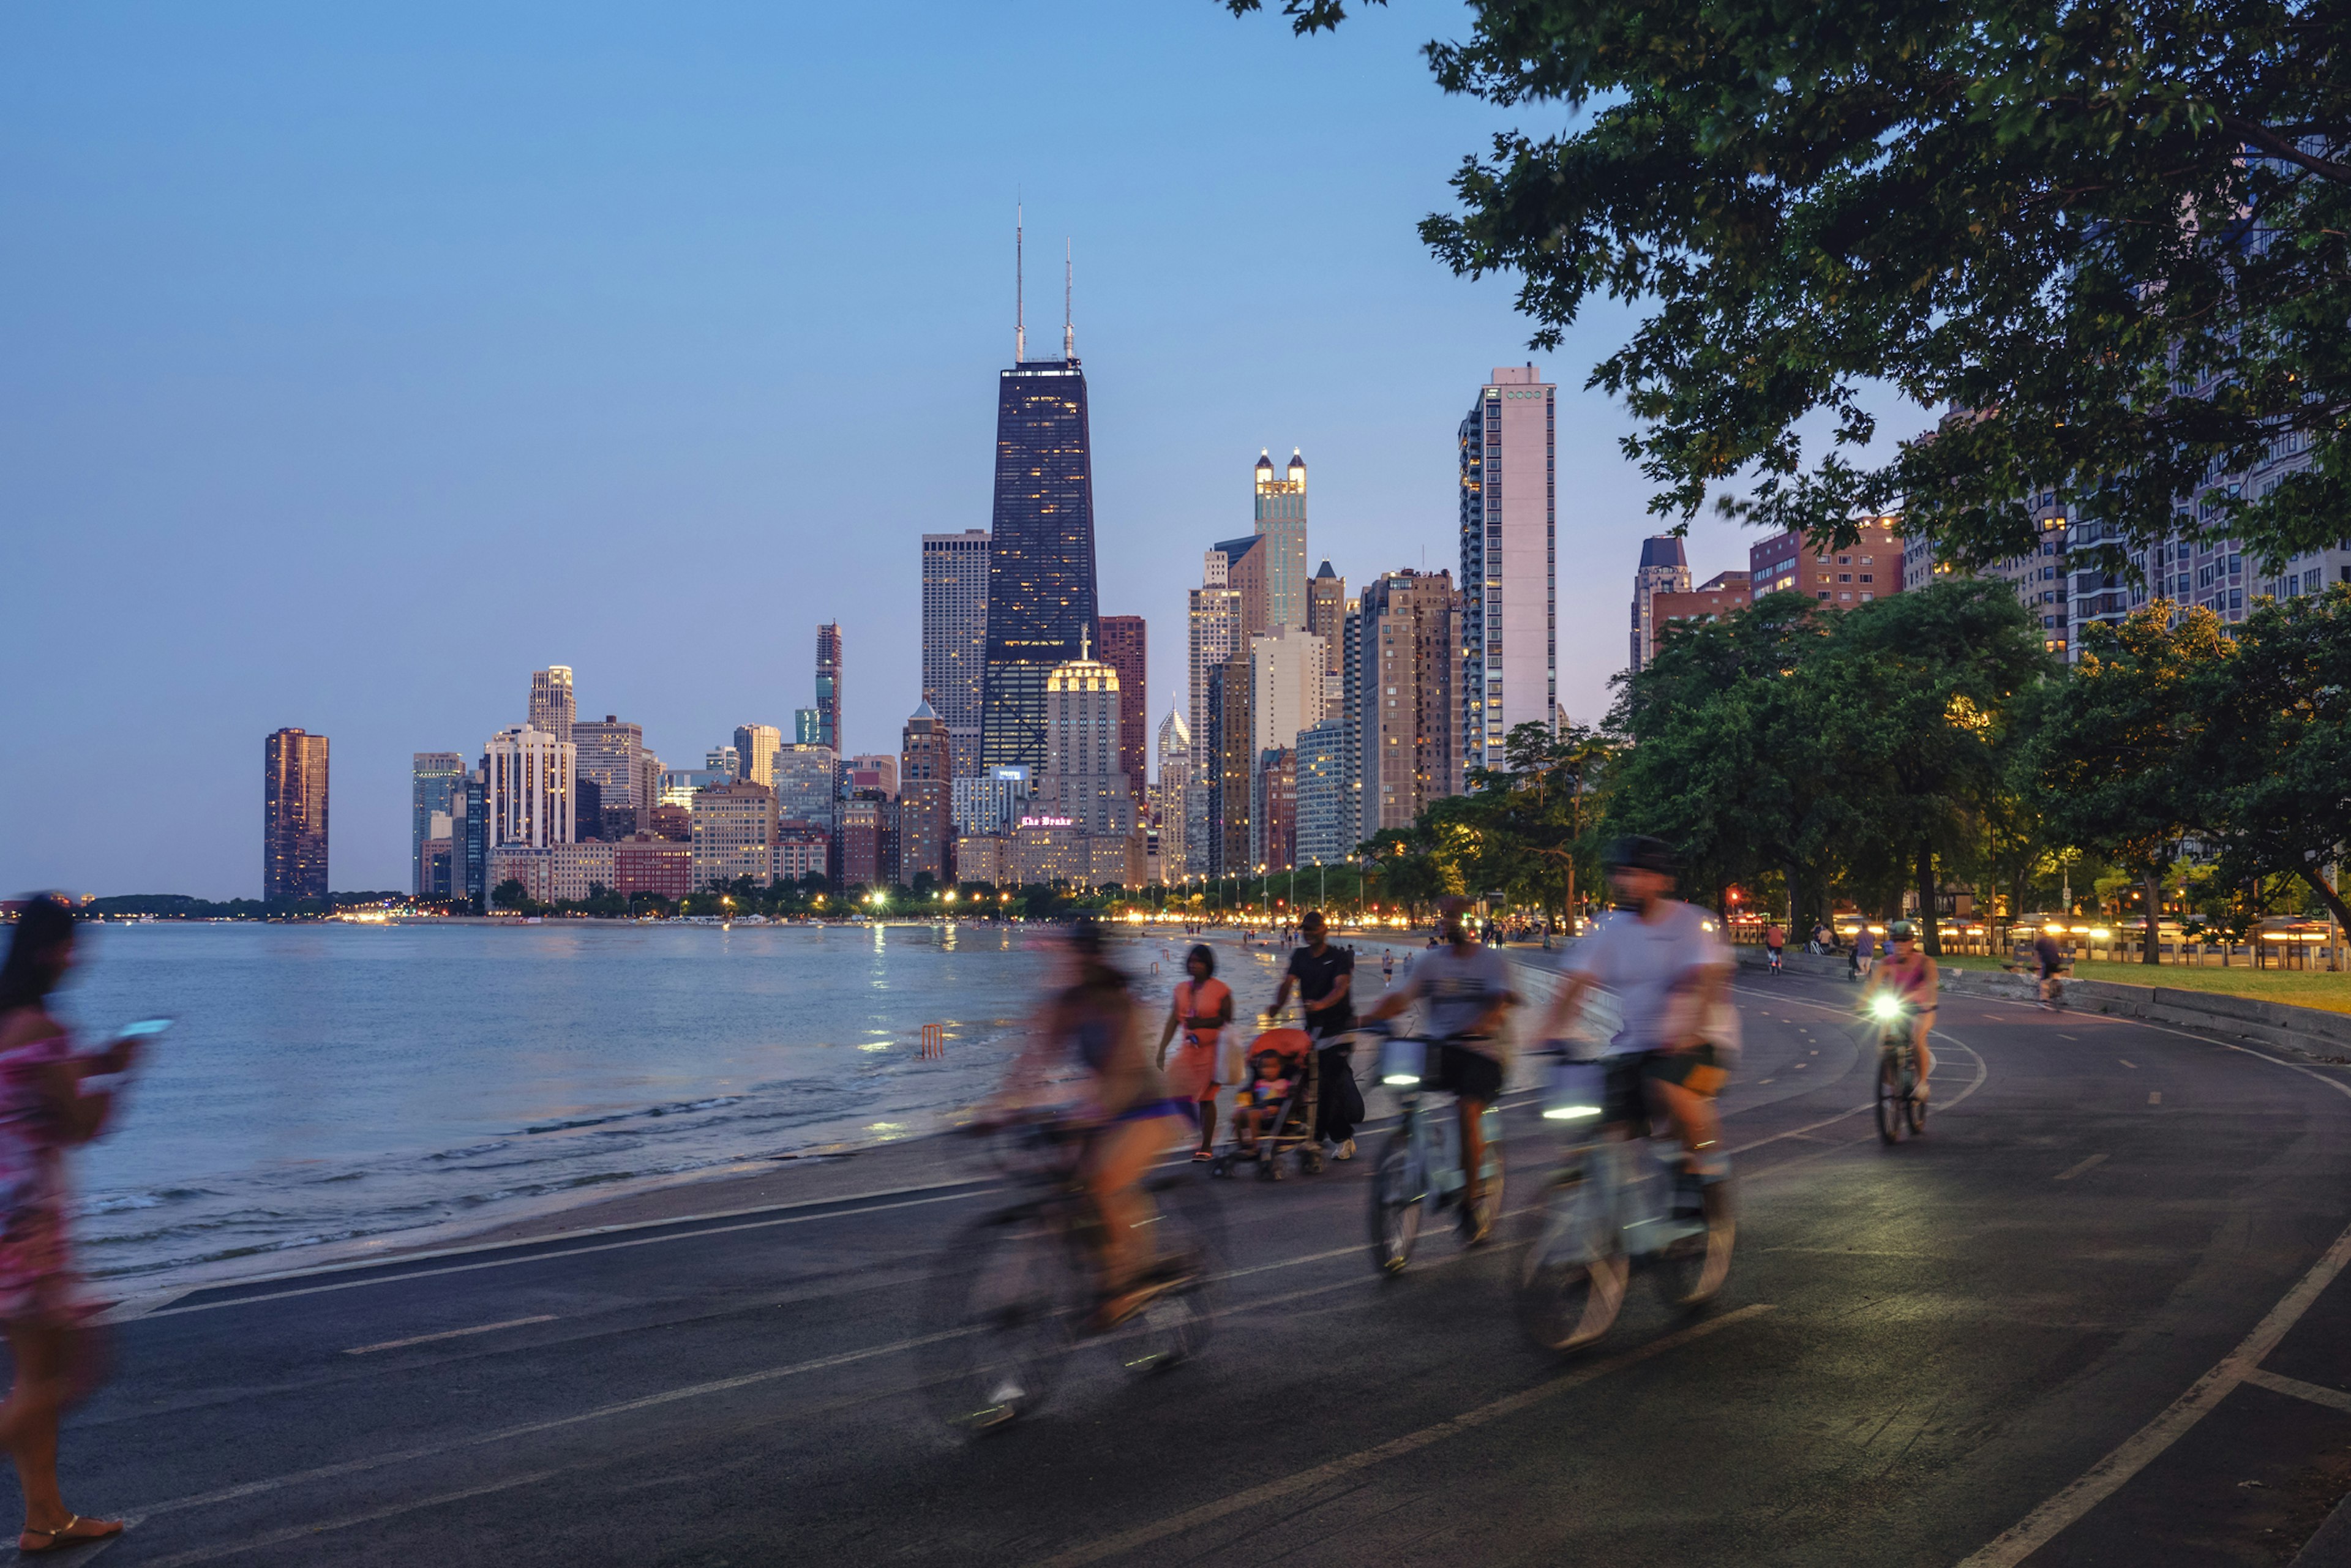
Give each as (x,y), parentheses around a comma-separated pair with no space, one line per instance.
(1326,617)
(926,798)
(807,780)
(954,637)
(1409,729)
(1123,650)
(1174,794)
(1325,835)
(294,815)
(723,760)
(1213,629)
(611,755)
(1082,779)
(1288,684)
(476,834)
(1509,579)
(1281,524)
(989,802)
(870,770)
(529,789)
(1350,716)
(552,709)
(756,745)
(1663,569)
(734,834)
(436,782)
(1277,808)
(1234,690)
(828,686)
(1041,558)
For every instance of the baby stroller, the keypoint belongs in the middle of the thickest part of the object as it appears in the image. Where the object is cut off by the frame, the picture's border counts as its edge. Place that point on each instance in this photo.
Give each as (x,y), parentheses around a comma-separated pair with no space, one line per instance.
(1290,1123)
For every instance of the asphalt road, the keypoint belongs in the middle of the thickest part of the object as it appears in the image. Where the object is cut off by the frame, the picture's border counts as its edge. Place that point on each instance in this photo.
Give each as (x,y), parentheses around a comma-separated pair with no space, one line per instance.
(2090,1318)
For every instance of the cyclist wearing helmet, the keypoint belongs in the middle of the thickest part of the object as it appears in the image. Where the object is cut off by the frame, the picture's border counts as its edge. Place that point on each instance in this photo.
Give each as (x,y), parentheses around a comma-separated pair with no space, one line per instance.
(1909,977)
(1668,966)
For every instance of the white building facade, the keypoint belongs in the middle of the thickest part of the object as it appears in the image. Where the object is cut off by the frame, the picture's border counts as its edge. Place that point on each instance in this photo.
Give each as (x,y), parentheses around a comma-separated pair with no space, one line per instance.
(1509,584)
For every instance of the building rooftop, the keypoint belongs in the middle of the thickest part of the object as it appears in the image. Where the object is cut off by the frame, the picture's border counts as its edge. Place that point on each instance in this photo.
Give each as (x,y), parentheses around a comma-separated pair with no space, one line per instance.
(1662,549)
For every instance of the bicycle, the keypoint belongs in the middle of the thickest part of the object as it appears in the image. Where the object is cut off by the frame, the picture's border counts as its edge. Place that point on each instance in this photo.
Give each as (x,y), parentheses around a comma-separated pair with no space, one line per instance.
(1775,964)
(1612,1205)
(1899,1108)
(1419,1167)
(1012,1296)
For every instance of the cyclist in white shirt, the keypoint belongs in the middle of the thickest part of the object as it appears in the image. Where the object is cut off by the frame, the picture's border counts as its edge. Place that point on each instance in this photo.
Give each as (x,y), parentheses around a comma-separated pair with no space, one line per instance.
(1668,966)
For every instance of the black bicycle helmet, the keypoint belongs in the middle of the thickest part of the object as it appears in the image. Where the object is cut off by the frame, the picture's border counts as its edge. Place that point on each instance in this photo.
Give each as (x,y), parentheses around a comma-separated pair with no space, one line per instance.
(1641,852)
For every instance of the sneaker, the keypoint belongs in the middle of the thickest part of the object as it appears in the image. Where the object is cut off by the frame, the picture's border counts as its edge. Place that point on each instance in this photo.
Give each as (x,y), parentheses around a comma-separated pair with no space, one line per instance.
(1345,1151)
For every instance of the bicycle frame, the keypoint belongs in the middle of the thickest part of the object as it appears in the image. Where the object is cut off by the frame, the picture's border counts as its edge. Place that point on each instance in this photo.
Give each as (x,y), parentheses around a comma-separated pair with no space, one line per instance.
(1434,1140)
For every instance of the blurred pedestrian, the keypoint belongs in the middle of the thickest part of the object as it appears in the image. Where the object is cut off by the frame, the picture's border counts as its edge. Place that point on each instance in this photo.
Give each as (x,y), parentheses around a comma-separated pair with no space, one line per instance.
(1203,1009)
(45,1109)
(1325,979)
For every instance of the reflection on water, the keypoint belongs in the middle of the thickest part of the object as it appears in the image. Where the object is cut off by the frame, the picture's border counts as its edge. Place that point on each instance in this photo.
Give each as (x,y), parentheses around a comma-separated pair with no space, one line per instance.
(328,1083)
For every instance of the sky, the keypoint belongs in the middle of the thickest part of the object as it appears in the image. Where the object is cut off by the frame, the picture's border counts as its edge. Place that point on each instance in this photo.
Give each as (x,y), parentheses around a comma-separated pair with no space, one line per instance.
(356,361)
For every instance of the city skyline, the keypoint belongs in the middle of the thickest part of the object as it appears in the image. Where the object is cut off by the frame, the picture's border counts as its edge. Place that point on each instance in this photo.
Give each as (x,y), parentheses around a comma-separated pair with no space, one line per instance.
(314,398)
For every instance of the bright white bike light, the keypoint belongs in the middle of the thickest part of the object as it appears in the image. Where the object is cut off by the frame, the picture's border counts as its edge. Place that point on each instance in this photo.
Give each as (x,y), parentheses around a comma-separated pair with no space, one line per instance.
(1398,1079)
(1886,1007)
(1570,1112)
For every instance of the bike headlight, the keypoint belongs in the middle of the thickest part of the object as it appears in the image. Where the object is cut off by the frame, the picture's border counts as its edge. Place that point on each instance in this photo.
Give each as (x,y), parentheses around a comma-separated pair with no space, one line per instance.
(1570,1112)
(1398,1079)
(1886,1008)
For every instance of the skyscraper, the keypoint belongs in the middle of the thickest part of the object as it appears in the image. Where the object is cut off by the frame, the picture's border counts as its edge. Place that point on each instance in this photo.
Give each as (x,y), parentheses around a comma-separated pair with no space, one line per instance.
(436,782)
(1174,795)
(1236,764)
(1281,523)
(1041,558)
(528,790)
(926,798)
(954,637)
(1082,779)
(1409,726)
(294,815)
(828,689)
(1325,835)
(1510,596)
(756,745)
(1123,650)
(1214,627)
(611,756)
(552,709)
(1663,569)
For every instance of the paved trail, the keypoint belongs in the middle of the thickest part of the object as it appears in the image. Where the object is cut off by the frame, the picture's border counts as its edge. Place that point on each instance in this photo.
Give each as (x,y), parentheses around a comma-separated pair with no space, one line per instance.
(2091,1317)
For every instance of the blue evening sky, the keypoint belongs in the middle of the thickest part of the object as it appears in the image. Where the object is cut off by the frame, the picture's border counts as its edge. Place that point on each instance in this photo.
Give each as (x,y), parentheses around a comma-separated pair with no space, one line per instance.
(359,359)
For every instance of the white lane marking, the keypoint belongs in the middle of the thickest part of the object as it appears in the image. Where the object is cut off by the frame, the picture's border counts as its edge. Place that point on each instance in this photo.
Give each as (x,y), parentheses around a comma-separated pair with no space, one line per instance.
(567,1252)
(447,1334)
(2070,1172)
(303,1531)
(2337,1084)
(1396,1447)
(2132,1065)
(2317,1394)
(2155,1096)
(2141,1449)
(1983,1071)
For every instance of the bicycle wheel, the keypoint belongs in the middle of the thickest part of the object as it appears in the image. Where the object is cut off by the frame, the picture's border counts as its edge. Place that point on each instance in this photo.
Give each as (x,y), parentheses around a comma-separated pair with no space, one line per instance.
(998,1316)
(1481,1220)
(1396,1195)
(1692,1271)
(1566,1288)
(1179,1321)
(1889,1098)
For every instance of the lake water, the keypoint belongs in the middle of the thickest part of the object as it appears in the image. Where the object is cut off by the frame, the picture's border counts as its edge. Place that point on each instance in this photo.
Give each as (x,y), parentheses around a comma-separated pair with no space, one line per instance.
(329,1083)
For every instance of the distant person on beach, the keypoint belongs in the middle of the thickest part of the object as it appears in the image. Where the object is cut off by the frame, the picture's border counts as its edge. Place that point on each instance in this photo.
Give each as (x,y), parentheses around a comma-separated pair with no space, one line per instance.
(44,1109)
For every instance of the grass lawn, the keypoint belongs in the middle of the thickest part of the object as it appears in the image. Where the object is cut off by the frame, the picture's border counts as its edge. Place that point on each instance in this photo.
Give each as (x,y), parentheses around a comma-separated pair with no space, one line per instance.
(2295,987)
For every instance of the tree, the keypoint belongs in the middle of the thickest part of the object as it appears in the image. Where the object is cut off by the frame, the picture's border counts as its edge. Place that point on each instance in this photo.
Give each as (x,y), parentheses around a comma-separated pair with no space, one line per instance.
(2116,769)
(509,895)
(2121,235)
(2272,762)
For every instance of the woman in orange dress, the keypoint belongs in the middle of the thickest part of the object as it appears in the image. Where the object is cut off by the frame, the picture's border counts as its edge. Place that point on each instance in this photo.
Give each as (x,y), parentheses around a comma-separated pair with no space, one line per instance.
(1202,1009)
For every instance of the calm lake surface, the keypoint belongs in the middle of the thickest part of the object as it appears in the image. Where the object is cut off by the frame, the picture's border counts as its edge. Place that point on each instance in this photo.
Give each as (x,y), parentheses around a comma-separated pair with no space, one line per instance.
(332,1083)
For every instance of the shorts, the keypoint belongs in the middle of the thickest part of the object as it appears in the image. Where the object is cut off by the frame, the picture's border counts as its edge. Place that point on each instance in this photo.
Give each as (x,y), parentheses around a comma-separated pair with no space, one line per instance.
(1699,1070)
(1772,950)
(1466,1073)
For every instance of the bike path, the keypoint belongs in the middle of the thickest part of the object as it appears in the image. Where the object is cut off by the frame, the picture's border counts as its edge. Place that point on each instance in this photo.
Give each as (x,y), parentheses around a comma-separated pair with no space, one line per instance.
(1918,1346)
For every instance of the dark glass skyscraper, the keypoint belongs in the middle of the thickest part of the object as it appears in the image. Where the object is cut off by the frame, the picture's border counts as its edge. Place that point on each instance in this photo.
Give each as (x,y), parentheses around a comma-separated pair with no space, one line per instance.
(294,816)
(828,686)
(1040,564)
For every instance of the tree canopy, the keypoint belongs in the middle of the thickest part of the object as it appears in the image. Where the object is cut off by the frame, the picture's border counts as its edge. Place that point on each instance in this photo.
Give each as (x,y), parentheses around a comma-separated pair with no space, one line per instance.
(2118,235)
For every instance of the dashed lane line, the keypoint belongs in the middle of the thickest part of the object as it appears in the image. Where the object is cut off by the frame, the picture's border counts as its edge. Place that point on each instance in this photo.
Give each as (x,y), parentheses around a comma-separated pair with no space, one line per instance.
(1394,1449)
(447,1333)
(2070,1172)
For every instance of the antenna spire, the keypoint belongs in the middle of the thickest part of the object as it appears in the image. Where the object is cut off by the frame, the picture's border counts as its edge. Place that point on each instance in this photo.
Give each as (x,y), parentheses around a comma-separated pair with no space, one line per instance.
(1019,306)
(1069,332)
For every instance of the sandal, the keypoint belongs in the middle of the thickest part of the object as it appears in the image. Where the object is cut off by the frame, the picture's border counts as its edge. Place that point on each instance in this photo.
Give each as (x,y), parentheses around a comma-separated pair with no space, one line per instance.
(63,1536)
(1201,1156)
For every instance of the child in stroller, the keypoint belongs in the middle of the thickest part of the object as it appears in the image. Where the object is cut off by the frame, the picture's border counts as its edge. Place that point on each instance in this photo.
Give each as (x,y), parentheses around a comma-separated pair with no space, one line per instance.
(1274,1114)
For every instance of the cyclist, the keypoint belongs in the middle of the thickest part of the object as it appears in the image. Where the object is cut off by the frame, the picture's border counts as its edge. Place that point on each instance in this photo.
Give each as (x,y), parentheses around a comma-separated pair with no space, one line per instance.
(1325,979)
(1909,977)
(1774,941)
(1466,991)
(1093,1023)
(1203,1009)
(2050,955)
(1670,971)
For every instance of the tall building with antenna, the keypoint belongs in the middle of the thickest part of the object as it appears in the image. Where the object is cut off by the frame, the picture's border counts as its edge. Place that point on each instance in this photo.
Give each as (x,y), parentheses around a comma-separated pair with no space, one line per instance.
(1040,563)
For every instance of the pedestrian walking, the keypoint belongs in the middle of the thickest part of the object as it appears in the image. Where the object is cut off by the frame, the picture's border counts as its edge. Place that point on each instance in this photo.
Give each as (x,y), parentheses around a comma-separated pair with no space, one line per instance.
(45,1109)
(1325,977)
